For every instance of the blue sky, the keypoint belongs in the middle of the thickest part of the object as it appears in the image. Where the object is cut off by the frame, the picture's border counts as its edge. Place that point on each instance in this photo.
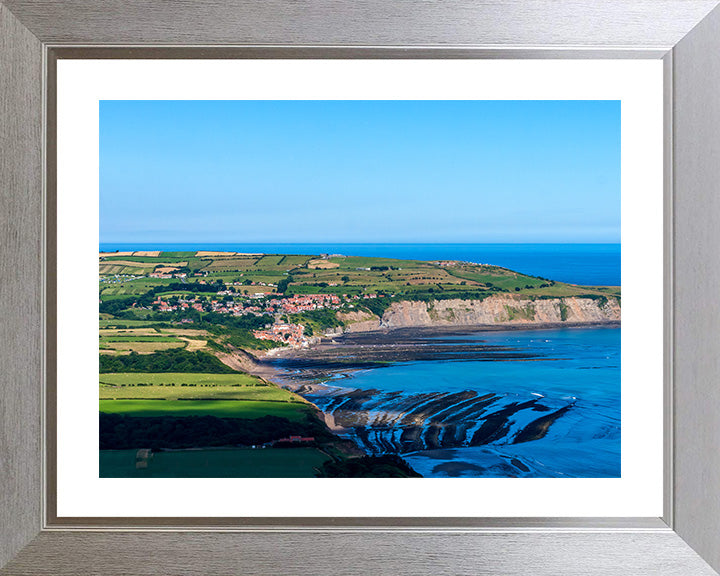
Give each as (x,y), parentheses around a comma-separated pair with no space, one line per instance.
(359,171)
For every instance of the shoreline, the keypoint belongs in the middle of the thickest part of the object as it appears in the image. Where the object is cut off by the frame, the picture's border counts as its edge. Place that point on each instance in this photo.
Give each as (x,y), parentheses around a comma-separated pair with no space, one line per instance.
(373,420)
(260,367)
(497,327)
(330,340)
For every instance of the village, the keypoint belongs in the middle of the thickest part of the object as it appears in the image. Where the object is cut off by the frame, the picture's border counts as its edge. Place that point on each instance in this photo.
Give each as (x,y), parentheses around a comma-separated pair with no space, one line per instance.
(259,304)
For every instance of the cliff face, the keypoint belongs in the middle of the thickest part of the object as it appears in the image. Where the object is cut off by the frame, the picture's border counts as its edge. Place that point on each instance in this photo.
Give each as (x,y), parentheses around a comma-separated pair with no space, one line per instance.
(498,309)
(359,321)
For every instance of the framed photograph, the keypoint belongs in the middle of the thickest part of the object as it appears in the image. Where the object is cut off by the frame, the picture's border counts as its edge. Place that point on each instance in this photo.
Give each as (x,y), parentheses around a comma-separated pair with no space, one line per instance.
(412,305)
(392,302)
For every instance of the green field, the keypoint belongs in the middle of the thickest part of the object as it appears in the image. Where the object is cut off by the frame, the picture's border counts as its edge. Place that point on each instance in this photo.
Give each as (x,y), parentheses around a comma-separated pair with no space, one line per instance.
(147,259)
(290,261)
(353,274)
(294,411)
(184,392)
(215,463)
(137,338)
(188,394)
(166,295)
(188,386)
(239,379)
(111,269)
(139,347)
(114,322)
(131,287)
(271,262)
(229,264)
(177,254)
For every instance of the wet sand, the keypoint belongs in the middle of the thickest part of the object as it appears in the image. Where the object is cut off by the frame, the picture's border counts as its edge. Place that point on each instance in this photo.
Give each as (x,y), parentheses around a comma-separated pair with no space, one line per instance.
(306,370)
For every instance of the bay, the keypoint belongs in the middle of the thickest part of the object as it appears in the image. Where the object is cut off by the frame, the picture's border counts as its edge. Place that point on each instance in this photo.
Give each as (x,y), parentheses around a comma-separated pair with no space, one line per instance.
(552,409)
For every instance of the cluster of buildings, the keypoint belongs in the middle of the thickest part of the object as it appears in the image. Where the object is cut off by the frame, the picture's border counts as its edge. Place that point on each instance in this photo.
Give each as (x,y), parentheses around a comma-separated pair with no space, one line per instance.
(220,306)
(165,306)
(259,303)
(456,263)
(167,275)
(291,334)
(119,278)
(304,303)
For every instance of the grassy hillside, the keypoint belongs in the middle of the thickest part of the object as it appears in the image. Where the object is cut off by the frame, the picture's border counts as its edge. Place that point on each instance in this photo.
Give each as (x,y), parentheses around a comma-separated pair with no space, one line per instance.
(233,395)
(220,408)
(327,274)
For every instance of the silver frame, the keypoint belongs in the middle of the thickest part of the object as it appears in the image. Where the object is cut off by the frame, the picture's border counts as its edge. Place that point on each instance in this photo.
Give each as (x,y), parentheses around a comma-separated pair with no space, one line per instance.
(684,33)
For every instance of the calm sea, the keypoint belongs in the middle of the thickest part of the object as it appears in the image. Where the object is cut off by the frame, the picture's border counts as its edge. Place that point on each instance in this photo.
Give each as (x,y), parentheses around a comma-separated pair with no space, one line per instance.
(589,264)
(569,393)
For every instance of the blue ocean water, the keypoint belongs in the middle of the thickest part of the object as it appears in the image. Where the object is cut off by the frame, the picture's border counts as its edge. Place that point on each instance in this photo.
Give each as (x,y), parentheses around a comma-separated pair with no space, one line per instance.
(589,264)
(575,374)
(574,363)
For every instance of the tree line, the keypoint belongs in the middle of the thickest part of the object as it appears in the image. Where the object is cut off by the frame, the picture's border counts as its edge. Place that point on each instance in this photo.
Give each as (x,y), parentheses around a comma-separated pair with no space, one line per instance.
(172,360)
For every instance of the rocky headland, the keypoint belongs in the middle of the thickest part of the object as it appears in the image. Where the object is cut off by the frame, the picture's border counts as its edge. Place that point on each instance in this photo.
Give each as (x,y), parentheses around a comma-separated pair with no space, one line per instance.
(499,310)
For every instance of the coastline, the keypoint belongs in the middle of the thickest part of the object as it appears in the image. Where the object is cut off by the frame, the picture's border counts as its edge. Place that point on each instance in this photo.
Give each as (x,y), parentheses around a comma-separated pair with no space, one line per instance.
(260,361)
(443,427)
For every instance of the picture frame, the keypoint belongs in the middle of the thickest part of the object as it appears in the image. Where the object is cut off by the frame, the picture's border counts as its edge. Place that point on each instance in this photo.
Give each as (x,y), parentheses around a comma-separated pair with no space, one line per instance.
(684,34)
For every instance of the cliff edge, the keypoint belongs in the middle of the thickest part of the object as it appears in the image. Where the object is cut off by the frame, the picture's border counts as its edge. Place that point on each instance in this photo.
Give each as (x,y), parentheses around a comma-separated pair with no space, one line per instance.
(497,309)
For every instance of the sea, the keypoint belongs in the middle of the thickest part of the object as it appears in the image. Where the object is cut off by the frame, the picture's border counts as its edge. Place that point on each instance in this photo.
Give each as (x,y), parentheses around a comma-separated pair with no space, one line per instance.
(480,417)
(553,412)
